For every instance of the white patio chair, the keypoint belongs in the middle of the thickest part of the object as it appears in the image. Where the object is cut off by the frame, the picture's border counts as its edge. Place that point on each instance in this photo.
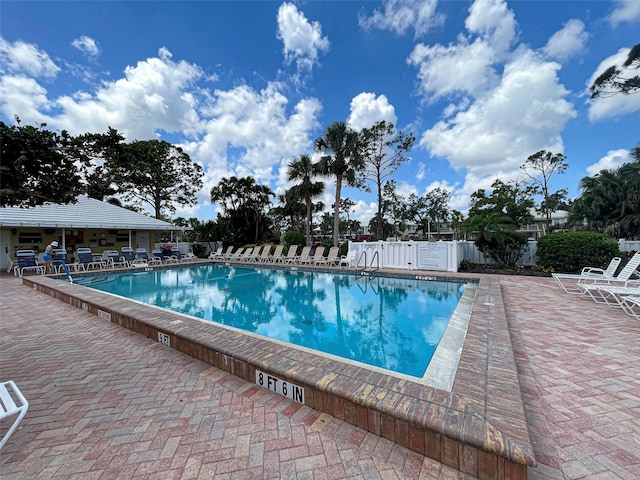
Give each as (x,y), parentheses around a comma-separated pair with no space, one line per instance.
(12,402)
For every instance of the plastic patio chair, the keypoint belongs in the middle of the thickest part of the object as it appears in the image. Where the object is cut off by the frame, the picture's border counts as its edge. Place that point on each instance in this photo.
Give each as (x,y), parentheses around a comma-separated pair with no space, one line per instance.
(12,402)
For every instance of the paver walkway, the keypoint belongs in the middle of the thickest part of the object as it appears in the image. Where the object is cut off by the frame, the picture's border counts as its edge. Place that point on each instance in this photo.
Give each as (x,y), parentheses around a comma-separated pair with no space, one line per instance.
(107,403)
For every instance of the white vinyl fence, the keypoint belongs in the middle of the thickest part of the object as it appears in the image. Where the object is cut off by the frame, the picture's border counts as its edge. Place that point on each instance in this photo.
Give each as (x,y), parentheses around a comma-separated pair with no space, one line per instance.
(443,256)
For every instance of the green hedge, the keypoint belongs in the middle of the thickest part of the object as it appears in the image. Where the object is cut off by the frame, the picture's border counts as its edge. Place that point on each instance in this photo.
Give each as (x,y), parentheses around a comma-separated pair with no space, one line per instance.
(569,252)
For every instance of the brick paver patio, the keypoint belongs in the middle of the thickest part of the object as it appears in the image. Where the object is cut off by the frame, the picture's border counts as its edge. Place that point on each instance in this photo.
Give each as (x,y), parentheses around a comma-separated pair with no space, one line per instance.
(108,403)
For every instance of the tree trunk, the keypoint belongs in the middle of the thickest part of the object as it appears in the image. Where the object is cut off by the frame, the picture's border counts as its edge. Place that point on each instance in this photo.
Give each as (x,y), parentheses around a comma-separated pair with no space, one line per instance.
(308,226)
(336,212)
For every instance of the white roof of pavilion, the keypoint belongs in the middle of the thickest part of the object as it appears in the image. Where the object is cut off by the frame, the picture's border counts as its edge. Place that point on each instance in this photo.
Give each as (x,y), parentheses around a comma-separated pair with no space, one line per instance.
(86,213)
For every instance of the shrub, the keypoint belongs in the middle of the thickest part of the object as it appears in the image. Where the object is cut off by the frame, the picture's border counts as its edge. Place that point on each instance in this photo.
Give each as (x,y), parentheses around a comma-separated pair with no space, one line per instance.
(505,247)
(569,252)
(293,238)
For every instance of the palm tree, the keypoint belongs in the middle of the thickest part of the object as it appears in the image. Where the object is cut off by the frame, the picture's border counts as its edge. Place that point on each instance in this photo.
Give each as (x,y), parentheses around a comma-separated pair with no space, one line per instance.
(343,159)
(304,171)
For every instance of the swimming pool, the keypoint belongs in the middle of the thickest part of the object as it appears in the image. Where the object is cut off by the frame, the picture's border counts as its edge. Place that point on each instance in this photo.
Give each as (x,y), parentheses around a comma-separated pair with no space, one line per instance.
(385,322)
(470,418)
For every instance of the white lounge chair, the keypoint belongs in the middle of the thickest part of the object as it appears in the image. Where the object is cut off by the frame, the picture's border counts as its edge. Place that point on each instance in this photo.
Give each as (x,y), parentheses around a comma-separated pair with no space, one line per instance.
(217,255)
(303,257)
(291,254)
(569,281)
(262,255)
(275,257)
(611,294)
(316,257)
(12,403)
(332,258)
(631,305)
(592,277)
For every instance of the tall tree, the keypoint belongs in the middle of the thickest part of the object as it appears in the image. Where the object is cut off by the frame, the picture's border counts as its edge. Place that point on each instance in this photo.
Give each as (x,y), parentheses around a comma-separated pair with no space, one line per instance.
(38,166)
(433,207)
(342,159)
(610,200)
(304,171)
(290,213)
(95,151)
(156,173)
(494,220)
(539,168)
(618,79)
(245,204)
(384,151)
(394,206)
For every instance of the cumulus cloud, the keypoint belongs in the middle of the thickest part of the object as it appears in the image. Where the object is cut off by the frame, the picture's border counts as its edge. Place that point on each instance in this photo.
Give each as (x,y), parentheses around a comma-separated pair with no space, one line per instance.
(567,42)
(507,103)
(302,40)
(615,105)
(24,97)
(525,113)
(367,109)
(21,58)
(154,95)
(468,66)
(247,132)
(625,11)
(399,16)
(611,161)
(87,45)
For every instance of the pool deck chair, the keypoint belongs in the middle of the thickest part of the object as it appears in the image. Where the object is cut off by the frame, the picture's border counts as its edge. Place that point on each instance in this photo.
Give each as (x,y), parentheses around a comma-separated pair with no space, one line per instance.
(631,305)
(569,281)
(348,260)
(12,403)
(176,255)
(86,260)
(248,254)
(273,258)
(332,258)
(303,257)
(625,274)
(128,255)
(263,255)
(291,254)
(237,255)
(143,256)
(611,294)
(27,261)
(217,255)
(317,256)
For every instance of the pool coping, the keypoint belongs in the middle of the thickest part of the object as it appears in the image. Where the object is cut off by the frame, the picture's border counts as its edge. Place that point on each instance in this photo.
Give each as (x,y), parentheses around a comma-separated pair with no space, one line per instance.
(478,428)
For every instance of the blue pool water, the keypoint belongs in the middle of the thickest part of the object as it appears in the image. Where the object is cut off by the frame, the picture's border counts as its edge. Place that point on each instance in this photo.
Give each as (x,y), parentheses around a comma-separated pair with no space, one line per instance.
(386,322)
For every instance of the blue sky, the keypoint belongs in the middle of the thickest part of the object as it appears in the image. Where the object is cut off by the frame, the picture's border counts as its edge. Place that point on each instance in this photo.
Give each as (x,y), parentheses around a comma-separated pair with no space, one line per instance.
(246,87)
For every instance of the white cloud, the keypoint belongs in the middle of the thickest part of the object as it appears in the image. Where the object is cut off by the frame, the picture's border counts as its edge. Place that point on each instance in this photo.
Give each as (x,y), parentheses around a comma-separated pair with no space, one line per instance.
(24,97)
(567,42)
(611,161)
(625,11)
(154,95)
(247,132)
(22,58)
(367,109)
(401,15)
(525,113)
(444,70)
(615,105)
(494,22)
(510,102)
(303,40)
(467,67)
(87,45)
